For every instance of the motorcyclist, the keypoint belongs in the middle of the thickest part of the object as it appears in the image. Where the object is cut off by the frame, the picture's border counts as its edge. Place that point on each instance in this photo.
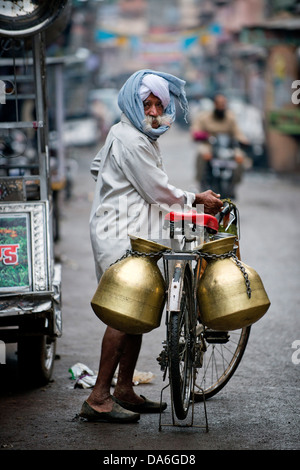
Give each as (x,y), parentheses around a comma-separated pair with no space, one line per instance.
(220,120)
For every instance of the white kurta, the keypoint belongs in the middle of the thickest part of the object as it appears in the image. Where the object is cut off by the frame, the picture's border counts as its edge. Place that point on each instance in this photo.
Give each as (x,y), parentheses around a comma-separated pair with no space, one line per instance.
(132,193)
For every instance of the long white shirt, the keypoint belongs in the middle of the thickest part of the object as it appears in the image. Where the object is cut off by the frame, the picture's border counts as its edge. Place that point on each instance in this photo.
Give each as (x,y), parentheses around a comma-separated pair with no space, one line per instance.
(132,193)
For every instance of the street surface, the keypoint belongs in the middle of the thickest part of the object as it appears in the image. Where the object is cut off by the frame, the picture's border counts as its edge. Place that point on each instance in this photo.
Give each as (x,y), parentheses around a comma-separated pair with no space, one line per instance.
(258,409)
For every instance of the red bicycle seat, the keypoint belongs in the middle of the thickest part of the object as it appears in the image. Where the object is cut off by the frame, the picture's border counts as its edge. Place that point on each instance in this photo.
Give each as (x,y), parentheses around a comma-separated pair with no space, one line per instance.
(203,220)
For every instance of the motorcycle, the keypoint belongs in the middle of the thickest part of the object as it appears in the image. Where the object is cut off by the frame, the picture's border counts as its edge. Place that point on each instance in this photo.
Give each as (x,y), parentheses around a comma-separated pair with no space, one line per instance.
(222,165)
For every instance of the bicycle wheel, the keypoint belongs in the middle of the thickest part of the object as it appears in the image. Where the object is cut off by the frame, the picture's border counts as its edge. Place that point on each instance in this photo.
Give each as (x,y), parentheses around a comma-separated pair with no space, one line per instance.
(222,354)
(181,347)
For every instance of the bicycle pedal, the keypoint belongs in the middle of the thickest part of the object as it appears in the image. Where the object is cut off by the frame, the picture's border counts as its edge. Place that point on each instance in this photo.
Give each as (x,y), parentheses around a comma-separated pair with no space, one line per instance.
(162,359)
(216,337)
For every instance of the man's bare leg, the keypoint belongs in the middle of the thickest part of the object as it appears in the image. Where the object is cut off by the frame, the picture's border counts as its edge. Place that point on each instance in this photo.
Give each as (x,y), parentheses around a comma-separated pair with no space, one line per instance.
(112,347)
(117,347)
(124,387)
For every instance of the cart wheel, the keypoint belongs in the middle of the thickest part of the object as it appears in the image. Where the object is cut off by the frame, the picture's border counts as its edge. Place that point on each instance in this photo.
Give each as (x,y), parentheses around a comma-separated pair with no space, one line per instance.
(36,355)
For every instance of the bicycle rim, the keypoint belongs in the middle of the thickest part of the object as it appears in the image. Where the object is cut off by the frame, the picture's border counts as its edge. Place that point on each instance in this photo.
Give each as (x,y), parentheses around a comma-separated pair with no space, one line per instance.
(181,341)
(220,362)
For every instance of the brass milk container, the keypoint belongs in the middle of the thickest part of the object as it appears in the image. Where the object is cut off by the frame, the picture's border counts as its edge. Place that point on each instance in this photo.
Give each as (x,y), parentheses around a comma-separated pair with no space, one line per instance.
(131,293)
(222,294)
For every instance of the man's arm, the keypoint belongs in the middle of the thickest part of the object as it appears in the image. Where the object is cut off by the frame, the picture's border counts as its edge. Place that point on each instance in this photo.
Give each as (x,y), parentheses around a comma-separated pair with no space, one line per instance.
(198,129)
(236,130)
(150,180)
(153,184)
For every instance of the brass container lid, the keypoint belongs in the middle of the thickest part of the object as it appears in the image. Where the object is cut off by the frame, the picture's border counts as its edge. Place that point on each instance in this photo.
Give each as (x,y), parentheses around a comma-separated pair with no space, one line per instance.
(219,247)
(146,246)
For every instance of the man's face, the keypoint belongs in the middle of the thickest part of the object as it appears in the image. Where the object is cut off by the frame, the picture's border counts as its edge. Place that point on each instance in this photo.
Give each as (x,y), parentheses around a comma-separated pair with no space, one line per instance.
(220,107)
(153,108)
(220,103)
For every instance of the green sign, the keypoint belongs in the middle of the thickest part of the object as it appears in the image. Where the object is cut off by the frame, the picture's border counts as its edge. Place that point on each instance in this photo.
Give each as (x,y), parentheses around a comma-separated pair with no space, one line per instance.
(15,264)
(286,121)
(267,37)
(279,5)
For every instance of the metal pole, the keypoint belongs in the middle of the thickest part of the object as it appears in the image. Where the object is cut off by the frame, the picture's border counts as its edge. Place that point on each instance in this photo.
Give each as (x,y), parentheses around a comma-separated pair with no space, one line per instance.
(59,112)
(39,70)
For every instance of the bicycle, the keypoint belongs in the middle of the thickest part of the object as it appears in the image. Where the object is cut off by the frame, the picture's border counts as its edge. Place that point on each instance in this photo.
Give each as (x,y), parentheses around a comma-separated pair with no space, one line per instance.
(200,360)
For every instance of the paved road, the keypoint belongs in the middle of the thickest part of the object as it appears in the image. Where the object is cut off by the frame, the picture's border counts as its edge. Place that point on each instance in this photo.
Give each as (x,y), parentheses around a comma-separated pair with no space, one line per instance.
(257,410)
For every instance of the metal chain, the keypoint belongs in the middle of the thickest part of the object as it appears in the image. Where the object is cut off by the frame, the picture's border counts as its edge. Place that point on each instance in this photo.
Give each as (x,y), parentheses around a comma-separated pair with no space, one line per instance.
(229,254)
(212,256)
(139,253)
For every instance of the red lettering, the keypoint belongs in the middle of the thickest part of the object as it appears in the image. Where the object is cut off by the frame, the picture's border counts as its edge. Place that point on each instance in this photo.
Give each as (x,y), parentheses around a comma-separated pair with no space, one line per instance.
(9,254)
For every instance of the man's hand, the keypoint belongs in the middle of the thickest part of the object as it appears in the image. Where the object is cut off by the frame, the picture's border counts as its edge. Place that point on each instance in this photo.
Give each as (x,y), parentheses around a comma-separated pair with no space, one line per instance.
(211,201)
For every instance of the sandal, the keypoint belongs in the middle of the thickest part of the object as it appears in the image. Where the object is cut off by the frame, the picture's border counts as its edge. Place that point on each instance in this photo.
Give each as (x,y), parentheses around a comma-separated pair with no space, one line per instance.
(147,406)
(116,415)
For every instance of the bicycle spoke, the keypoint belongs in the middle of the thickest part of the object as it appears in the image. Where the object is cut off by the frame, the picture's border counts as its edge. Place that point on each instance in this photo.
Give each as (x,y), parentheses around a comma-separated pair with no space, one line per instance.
(219,363)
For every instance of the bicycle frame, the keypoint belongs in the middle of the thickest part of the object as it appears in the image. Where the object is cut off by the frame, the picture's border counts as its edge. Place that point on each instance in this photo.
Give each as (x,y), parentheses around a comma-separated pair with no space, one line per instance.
(182,269)
(179,264)
(182,261)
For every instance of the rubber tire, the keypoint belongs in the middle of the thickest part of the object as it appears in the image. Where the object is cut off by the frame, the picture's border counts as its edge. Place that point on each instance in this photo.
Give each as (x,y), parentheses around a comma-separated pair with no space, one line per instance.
(36,355)
(181,379)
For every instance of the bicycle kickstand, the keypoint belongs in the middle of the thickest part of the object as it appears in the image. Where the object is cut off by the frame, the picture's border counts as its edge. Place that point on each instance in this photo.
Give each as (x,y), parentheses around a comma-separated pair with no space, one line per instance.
(191,424)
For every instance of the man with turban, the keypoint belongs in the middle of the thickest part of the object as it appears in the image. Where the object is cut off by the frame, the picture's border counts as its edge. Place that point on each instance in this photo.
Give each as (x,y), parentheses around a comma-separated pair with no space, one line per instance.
(131,181)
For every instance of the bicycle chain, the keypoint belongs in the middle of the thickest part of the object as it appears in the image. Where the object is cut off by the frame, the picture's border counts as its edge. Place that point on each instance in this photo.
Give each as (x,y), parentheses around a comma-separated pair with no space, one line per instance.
(209,256)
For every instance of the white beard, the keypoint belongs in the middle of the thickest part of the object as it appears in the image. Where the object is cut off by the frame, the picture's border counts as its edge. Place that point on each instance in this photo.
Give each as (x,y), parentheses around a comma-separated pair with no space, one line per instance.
(164,120)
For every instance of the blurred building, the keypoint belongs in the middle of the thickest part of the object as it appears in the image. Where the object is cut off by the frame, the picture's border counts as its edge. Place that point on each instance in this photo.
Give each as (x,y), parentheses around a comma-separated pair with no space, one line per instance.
(279,34)
(251,49)
(247,48)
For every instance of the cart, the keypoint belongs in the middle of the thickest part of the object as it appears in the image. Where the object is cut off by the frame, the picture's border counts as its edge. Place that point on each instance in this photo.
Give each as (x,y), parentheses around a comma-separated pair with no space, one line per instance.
(30,277)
